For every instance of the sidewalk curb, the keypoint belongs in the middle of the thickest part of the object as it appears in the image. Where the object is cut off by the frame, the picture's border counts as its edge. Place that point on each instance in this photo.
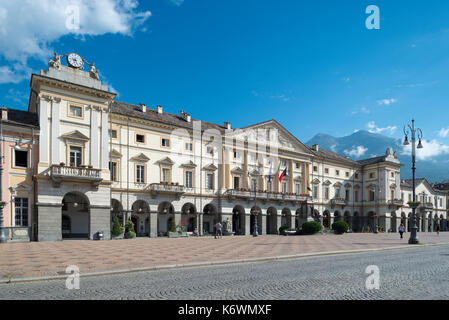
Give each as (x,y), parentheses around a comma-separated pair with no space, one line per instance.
(216,263)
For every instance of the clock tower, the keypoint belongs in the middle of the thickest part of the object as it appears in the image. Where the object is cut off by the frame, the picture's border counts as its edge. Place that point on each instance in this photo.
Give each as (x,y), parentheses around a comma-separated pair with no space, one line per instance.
(73,107)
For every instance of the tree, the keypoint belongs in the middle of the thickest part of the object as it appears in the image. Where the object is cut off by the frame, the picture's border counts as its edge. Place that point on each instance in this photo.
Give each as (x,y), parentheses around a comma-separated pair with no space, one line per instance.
(117,229)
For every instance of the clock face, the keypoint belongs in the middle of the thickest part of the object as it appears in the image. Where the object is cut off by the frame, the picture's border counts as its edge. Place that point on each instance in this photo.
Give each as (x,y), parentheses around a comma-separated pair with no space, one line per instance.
(74,60)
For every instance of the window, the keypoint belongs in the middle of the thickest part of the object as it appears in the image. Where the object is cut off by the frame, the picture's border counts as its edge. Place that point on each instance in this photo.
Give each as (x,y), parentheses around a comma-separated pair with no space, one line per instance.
(283,163)
(337,192)
(210,181)
(409,197)
(326,170)
(113,169)
(189,179)
(356,175)
(347,174)
(337,172)
(140,174)
(441,202)
(315,192)
(356,195)
(347,195)
(392,174)
(20,158)
(392,194)
(189,146)
(166,175)
(371,195)
(326,193)
(371,175)
(402,195)
(315,169)
(140,138)
(236,182)
(113,134)
(236,155)
(166,143)
(76,156)
(297,165)
(253,157)
(76,111)
(21,212)
(284,187)
(298,188)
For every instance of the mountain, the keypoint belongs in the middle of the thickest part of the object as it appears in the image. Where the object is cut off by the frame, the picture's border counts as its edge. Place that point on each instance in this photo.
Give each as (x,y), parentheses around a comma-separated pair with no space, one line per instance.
(363,144)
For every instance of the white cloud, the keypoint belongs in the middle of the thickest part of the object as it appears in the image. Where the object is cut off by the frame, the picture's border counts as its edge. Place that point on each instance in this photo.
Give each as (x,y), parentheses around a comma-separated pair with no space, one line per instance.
(430,149)
(28,28)
(177,2)
(281,97)
(444,132)
(334,148)
(375,129)
(361,110)
(356,151)
(387,102)
(17,96)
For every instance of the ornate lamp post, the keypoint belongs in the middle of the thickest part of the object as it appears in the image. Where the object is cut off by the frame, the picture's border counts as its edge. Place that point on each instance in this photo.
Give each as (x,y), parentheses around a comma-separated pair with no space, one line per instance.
(412,131)
(255,211)
(2,230)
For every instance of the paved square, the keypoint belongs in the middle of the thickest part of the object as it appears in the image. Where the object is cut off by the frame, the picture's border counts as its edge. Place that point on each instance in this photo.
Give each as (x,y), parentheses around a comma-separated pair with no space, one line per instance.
(52,258)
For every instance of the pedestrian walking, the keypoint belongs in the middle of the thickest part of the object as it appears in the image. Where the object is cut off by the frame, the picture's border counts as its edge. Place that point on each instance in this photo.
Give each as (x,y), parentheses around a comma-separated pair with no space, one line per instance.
(401,230)
(219,233)
(437,229)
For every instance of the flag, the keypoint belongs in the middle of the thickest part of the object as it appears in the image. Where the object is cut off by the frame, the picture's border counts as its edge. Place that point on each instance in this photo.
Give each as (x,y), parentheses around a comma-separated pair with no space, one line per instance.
(281,174)
(271,173)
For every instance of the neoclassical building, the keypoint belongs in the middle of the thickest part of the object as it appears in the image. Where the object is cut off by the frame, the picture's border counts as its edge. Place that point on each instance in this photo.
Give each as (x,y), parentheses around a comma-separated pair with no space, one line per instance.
(99,158)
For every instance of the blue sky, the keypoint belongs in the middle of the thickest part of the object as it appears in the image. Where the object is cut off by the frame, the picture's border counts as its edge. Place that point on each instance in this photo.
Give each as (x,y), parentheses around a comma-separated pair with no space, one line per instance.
(311,65)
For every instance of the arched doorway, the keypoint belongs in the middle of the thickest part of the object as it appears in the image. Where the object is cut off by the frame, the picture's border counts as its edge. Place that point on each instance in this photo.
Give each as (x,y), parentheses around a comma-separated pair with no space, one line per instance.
(188,217)
(286,220)
(272,221)
(347,219)
(140,218)
(238,220)
(394,227)
(116,211)
(255,212)
(442,223)
(165,216)
(210,218)
(326,219)
(337,216)
(404,220)
(356,222)
(316,215)
(75,216)
(429,222)
(372,220)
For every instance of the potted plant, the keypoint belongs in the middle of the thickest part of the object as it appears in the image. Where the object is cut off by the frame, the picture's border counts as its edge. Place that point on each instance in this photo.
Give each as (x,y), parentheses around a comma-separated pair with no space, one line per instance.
(130,230)
(72,164)
(83,166)
(3,204)
(62,164)
(90,166)
(117,230)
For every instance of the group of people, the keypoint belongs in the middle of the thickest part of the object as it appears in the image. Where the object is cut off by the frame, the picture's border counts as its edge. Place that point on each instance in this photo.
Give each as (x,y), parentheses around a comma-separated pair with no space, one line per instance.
(402,229)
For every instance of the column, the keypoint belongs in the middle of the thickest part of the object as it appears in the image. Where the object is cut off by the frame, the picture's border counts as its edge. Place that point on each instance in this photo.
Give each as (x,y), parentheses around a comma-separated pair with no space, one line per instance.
(104,140)
(424,224)
(291,182)
(94,145)
(292,220)
(153,224)
(247,224)
(44,135)
(55,159)
(49,221)
(278,223)
(199,222)
(264,224)
(100,220)
(245,170)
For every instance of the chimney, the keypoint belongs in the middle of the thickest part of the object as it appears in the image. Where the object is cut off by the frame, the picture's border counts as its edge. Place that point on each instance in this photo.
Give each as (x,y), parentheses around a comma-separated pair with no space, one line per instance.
(159,109)
(4,113)
(143,107)
(316,147)
(227,125)
(186,116)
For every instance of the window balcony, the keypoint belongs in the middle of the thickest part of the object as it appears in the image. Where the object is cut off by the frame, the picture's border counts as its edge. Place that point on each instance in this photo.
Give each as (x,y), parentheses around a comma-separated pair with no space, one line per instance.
(338,202)
(166,189)
(265,195)
(426,205)
(61,173)
(396,203)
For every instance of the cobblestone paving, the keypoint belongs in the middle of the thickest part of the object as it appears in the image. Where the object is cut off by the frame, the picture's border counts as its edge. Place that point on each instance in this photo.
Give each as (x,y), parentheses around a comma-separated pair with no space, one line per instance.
(418,273)
(52,258)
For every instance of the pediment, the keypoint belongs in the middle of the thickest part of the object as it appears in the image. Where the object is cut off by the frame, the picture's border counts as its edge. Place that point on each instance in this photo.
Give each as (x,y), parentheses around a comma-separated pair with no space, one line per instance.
(115,154)
(140,158)
(338,184)
(210,167)
(166,161)
(255,172)
(348,186)
(189,164)
(237,171)
(20,187)
(327,183)
(75,135)
(316,181)
(275,132)
(297,178)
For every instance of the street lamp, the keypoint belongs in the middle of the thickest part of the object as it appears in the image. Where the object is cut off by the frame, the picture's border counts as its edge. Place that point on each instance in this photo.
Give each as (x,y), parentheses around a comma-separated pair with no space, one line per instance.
(412,131)
(255,210)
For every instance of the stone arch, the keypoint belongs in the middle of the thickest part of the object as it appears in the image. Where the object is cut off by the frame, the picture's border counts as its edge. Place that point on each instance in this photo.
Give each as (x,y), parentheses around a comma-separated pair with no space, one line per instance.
(238,220)
(348,219)
(326,219)
(117,211)
(337,215)
(256,213)
(356,222)
(393,222)
(272,224)
(286,218)
(140,212)
(76,209)
(165,216)
(189,216)
(210,218)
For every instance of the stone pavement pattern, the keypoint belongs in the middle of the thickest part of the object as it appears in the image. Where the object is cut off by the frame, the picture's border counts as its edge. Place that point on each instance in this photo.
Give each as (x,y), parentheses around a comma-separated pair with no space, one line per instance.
(418,273)
(52,258)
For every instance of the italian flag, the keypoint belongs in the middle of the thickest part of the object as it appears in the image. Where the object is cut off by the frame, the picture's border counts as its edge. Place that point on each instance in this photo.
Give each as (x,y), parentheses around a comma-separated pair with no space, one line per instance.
(281,174)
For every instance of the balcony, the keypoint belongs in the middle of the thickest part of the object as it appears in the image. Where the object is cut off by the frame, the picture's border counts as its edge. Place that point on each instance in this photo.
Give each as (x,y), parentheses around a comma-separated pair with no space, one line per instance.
(338,202)
(396,203)
(166,189)
(265,196)
(61,173)
(425,206)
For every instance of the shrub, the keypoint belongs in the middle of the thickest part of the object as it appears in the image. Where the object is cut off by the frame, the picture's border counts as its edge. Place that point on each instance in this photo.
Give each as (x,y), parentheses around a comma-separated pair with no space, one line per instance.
(130,229)
(117,229)
(340,227)
(282,229)
(172,225)
(311,227)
